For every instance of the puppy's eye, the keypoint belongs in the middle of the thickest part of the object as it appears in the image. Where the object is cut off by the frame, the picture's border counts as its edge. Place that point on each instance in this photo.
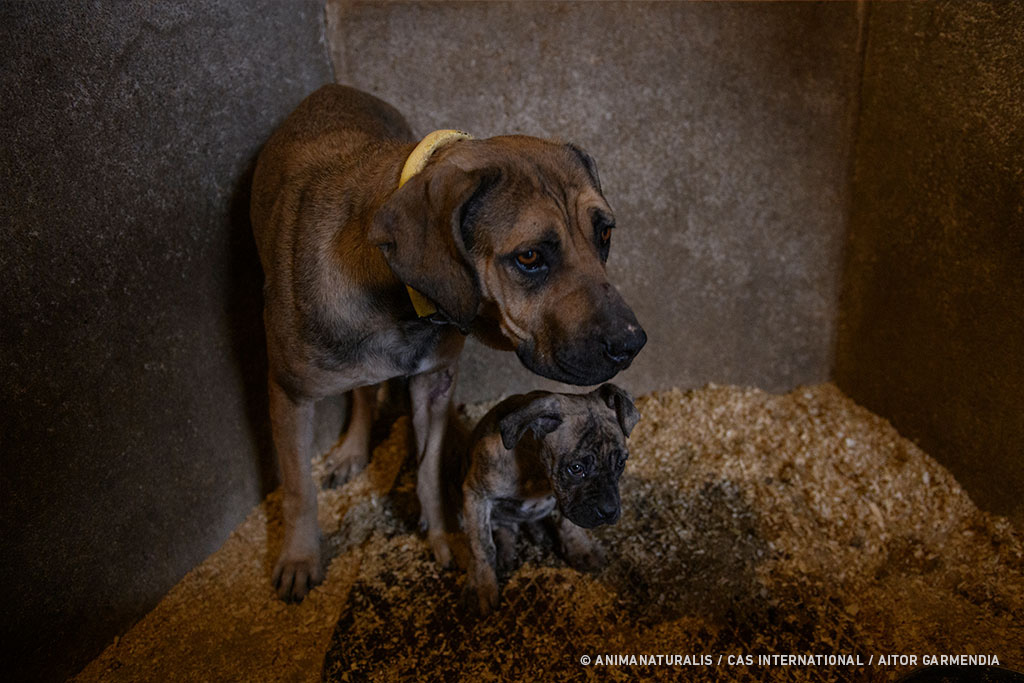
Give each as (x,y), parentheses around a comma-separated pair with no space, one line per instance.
(606,235)
(620,460)
(529,261)
(575,469)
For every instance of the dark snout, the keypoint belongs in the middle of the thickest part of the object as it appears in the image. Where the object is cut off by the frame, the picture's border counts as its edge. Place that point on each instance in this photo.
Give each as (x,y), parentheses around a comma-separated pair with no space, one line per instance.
(586,338)
(607,512)
(623,342)
(601,509)
(605,344)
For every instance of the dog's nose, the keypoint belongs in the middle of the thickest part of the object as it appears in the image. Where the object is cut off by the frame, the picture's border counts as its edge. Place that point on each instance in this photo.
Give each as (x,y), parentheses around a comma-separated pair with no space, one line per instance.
(608,511)
(624,346)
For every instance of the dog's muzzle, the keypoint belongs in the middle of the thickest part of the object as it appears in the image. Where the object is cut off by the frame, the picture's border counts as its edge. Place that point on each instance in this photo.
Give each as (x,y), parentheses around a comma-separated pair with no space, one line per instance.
(606,509)
(606,350)
(581,349)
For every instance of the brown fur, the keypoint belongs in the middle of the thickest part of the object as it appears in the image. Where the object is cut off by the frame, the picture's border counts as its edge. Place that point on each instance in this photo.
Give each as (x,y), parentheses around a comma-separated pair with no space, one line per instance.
(339,242)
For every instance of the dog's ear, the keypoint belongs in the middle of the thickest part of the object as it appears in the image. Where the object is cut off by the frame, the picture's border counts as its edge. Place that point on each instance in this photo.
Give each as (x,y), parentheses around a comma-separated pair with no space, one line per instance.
(621,402)
(541,416)
(588,163)
(420,231)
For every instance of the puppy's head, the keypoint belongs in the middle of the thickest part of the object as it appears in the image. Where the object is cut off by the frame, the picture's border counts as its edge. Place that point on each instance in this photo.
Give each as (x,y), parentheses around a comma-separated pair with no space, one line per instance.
(583,445)
(509,237)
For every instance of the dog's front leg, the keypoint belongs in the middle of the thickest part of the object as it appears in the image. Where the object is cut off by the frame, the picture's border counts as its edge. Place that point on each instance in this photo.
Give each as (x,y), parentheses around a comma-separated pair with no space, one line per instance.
(431,394)
(481,592)
(349,456)
(578,548)
(298,566)
(505,542)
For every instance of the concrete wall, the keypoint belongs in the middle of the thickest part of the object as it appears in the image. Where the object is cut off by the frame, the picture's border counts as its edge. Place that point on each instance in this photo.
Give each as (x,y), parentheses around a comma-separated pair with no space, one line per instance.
(932,332)
(721,132)
(133,424)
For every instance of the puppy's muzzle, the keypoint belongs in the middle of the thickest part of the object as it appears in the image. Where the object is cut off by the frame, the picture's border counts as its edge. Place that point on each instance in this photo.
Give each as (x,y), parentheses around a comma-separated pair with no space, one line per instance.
(605,509)
(607,512)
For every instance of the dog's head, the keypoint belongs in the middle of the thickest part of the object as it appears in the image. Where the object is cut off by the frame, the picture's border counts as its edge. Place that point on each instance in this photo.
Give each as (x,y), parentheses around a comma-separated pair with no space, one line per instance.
(583,445)
(509,237)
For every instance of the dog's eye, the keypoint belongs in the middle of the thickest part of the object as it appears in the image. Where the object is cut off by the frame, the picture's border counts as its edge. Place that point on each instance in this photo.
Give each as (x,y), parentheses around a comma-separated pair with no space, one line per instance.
(603,226)
(620,460)
(529,261)
(575,469)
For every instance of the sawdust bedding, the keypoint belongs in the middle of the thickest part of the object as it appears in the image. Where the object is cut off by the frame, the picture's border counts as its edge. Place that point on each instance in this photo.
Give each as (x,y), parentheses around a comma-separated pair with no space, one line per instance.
(753,524)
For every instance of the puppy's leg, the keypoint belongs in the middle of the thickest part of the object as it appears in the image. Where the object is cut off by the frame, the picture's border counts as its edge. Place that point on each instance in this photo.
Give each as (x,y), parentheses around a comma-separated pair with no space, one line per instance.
(431,394)
(505,541)
(298,567)
(481,583)
(577,547)
(350,455)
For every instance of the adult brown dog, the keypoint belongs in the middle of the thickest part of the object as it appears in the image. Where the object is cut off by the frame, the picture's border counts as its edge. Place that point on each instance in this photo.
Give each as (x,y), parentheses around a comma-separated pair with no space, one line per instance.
(507,237)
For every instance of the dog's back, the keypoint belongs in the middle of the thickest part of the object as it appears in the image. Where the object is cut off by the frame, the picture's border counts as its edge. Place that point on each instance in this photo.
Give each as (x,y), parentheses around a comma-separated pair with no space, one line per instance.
(331,129)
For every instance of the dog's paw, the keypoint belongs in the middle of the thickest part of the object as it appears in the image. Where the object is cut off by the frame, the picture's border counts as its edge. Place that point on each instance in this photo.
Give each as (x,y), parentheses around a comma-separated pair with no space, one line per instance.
(583,554)
(344,462)
(591,560)
(439,545)
(294,576)
(480,598)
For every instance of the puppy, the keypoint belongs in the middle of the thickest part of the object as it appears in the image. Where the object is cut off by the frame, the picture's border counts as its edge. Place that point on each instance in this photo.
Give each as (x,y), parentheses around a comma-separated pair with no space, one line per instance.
(531,454)
(381,253)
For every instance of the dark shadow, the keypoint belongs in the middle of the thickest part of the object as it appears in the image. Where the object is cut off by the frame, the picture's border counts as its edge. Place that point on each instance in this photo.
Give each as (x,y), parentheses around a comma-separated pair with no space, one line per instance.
(245,318)
(684,555)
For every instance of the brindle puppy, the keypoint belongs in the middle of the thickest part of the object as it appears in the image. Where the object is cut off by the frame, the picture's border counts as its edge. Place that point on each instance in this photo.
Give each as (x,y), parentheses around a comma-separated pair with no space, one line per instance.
(507,237)
(532,453)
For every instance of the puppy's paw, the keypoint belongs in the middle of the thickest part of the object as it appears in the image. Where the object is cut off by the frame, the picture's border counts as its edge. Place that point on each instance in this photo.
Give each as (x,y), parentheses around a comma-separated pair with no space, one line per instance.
(579,549)
(505,542)
(344,462)
(589,559)
(295,576)
(480,598)
(506,559)
(439,545)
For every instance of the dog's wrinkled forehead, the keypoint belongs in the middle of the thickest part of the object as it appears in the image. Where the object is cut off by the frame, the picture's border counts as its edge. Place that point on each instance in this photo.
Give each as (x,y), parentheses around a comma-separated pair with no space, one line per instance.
(544,185)
(523,157)
(600,437)
(588,425)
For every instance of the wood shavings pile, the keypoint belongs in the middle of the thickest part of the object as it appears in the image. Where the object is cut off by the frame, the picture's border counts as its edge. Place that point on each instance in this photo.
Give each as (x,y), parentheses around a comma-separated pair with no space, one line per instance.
(752,524)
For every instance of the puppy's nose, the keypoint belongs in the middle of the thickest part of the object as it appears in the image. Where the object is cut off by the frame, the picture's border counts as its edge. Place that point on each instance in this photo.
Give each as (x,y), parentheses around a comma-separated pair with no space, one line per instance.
(625,344)
(608,511)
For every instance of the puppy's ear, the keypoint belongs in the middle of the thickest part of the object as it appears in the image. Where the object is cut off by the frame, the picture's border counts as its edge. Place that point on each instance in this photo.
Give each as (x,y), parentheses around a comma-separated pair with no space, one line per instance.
(420,231)
(621,402)
(541,416)
(588,163)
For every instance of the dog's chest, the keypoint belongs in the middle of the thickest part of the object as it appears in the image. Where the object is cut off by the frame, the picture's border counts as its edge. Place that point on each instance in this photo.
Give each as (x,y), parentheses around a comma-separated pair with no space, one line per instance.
(522,510)
(401,350)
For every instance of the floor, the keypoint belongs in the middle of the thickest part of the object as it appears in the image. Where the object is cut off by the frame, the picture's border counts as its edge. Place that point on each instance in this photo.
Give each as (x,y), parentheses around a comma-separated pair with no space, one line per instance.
(753,525)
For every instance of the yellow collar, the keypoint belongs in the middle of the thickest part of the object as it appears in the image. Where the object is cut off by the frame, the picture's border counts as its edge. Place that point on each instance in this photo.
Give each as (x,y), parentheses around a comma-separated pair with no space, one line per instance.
(413,165)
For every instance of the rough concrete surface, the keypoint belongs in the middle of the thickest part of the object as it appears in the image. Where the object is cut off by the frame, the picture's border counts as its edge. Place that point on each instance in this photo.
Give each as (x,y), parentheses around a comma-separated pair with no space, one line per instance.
(932,331)
(132,430)
(721,133)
